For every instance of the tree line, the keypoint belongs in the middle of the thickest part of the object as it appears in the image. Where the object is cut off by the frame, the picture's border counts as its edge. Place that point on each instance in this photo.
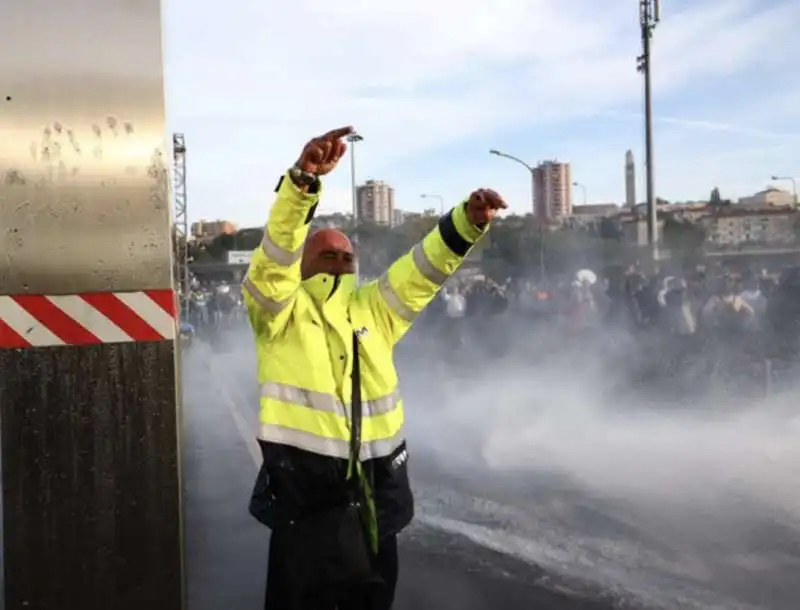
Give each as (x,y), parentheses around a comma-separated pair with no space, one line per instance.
(515,247)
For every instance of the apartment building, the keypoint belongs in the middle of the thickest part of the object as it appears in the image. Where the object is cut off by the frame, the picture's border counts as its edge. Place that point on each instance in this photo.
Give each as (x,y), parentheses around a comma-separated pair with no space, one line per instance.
(212,228)
(552,191)
(398,217)
(765,227)
(596,210)
(375,200)
(770,197)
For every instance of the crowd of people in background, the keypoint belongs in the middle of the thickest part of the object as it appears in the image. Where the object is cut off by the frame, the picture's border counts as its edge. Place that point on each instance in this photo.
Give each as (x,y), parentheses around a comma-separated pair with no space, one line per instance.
(692,331)
(210,307)
(687,330)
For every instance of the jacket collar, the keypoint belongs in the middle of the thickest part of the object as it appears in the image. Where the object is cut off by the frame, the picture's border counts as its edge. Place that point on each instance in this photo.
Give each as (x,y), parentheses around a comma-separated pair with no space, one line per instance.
(327,289)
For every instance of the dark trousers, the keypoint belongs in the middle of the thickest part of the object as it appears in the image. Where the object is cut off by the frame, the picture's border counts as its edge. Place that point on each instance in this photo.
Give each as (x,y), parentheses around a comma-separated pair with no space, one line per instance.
(284,594)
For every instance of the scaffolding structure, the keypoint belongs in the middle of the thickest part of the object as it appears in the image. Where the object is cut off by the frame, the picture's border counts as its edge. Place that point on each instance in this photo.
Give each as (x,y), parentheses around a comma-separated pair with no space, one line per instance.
(181,220)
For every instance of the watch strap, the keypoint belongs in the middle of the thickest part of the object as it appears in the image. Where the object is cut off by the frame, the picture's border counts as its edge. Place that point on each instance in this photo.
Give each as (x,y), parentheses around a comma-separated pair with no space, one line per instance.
(302,178)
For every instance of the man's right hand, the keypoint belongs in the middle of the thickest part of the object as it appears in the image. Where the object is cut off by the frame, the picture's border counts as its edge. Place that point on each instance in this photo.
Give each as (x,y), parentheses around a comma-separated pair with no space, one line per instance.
(321,155)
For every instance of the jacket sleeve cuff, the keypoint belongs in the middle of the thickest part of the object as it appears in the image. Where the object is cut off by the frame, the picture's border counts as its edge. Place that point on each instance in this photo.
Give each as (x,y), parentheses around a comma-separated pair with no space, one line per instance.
(467,230)
(294,206)
(287,189)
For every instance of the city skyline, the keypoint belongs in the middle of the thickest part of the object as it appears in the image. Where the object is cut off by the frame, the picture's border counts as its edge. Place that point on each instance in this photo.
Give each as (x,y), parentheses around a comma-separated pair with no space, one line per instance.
(770,196)
(546,80)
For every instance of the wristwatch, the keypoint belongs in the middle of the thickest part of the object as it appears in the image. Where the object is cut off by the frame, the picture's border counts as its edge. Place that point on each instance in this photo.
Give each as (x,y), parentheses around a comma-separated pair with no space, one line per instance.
(302,178)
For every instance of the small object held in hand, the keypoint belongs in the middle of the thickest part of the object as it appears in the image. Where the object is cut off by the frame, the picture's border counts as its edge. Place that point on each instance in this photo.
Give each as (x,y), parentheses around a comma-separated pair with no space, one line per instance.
(322,154)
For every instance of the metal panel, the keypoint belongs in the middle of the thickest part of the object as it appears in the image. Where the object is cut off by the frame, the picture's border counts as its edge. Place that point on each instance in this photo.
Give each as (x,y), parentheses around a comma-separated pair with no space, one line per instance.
(91,479)
(91,495)
(83,203)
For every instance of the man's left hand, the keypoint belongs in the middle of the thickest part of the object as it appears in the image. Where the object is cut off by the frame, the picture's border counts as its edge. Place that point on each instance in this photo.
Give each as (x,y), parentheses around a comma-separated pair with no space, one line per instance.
(483,206)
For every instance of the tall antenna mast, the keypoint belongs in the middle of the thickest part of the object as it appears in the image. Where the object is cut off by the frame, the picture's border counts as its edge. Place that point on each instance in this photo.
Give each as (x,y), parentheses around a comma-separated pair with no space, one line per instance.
(649,16)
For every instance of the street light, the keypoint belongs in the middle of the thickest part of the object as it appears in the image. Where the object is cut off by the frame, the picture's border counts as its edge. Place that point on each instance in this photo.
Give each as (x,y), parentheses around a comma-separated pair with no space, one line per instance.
(541,220)
(649,16)
(794,185)
(439,197)
(526,166)
(352,139)
(583,188)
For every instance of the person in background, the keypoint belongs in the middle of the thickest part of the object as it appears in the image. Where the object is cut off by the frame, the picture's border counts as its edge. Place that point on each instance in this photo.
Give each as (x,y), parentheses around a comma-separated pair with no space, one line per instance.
(637,296)
(726,310)
(582,311)
(752,295)
(455,308)
(678,306)
(334,488)
(783,317)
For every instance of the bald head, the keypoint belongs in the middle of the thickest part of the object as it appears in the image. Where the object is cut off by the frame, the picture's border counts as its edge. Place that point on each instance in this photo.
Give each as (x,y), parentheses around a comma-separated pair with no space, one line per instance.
(328,251)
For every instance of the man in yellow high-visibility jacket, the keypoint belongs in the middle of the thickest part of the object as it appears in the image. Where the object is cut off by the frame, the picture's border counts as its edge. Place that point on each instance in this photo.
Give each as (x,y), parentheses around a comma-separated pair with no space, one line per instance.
(305,310)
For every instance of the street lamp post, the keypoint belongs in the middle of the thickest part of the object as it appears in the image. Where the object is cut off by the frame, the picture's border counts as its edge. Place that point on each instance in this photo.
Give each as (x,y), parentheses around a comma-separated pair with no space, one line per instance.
(439,197)
(541,220)
(794,185)
(583,188)
(649,16)
(352,139)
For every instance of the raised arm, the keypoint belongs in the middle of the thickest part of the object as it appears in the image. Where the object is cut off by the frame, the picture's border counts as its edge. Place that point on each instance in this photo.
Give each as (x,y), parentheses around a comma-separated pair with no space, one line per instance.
(274,274)
(413,281)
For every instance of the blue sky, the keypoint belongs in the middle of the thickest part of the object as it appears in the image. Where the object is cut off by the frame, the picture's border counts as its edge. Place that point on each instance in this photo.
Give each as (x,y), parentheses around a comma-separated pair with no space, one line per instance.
(432,86)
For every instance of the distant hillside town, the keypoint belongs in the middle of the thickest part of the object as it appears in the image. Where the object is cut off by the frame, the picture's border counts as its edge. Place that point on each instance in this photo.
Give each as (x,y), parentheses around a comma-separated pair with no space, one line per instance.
(766,219)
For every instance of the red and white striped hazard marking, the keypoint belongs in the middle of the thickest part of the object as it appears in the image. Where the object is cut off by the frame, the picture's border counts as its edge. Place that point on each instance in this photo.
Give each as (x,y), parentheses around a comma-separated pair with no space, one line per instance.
(29,320)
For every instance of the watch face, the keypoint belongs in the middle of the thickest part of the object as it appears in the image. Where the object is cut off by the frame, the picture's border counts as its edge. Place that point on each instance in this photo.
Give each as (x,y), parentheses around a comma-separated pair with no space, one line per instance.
(306,178)
(298,176)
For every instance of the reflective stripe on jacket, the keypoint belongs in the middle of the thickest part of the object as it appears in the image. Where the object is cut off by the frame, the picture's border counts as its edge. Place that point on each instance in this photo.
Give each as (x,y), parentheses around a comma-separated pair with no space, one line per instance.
(303,330)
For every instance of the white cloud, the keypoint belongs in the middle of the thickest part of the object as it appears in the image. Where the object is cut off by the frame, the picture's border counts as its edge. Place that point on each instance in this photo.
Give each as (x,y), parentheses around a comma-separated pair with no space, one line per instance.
(706,125)
(251,82)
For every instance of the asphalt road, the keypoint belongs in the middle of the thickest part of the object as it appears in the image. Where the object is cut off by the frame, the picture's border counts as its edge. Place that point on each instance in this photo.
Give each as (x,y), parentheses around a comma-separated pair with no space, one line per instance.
(226,548)
(694,515)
